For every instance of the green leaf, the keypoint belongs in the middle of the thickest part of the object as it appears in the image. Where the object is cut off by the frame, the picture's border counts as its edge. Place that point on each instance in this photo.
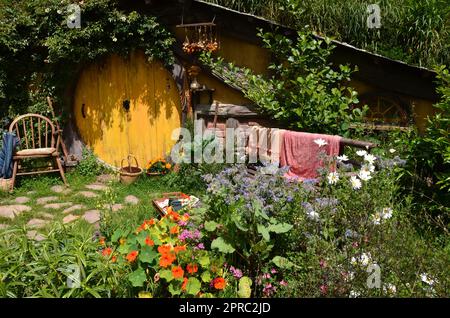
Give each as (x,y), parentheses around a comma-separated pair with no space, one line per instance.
(116,235)
(245,290)
(211,226)
(141,238)
(206,277)
(193,286)
(263,231)
(166,274)
(282,262)
(148,255)
(175,288)
(279,228)
(137,278)
(204,261)
(220,244)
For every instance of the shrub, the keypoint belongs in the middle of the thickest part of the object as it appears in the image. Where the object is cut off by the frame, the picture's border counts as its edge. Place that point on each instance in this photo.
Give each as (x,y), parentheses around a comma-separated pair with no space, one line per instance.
(89,164)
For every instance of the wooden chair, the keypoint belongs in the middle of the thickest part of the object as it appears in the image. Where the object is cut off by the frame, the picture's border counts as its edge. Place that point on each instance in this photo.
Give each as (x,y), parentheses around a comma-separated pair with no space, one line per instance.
(38,139)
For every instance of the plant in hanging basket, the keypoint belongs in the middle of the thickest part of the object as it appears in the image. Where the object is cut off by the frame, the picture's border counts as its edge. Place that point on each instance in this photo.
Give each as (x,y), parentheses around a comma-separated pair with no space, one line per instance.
(158,166)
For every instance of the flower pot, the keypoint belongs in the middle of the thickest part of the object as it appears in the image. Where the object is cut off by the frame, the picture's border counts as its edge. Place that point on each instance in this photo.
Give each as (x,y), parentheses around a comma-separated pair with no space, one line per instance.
(5,184)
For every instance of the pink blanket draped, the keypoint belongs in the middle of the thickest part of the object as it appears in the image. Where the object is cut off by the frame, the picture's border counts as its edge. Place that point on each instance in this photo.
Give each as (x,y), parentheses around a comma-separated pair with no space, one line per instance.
(301,153)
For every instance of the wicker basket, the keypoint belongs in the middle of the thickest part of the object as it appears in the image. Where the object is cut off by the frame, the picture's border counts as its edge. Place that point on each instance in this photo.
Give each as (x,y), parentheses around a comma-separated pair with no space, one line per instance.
(5,184)
(129,174)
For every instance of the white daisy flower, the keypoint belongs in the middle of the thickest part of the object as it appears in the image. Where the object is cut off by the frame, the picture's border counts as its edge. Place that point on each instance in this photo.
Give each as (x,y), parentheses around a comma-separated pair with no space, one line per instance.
(426,279)
(313,215)
(320,142)
(342,158)
(390,288)
(364,175)
(368,168)
(114,39)
(365,259)
(333,178)
(354,294)
(361,153)
(392,150)
(123,18)
(386,213)
(377,218)
(370,158)
(356,183)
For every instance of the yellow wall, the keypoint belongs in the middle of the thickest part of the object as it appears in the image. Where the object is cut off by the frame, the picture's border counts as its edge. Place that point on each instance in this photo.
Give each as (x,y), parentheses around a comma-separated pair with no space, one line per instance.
(111,132)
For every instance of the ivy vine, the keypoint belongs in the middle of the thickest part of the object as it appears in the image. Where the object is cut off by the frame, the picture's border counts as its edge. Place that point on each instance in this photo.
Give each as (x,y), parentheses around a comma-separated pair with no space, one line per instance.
(40,55)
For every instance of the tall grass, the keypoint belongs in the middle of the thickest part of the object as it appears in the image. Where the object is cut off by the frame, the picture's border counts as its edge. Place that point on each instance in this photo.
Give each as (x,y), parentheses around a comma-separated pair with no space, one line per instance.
(417,32)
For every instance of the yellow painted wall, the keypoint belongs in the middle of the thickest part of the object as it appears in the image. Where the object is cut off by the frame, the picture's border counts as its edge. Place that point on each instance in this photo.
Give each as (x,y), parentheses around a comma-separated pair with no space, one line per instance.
(111,132)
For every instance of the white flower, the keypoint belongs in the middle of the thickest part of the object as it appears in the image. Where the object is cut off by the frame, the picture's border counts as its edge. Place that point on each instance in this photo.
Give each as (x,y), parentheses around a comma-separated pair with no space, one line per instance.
(392,150)
(356,183)
(114,39)
(365,259)
(364,175)
(123,18)
(376,218)
(370,158)
(390,288)
(354,294)
(368,168)
(342,158)
(386,213)
(313,215)
(320,142)
(333,177)
(361,153)
(47,10)
(427,280)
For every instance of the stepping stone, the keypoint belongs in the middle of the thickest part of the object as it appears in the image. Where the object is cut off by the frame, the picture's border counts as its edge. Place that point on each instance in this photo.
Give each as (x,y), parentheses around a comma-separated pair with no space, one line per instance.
(11,211)
(74,208)
(96,187)
(105,178)
(131,199)
(114,207)
(47,215)
(45,200)
(88,194)
(92,216)
(56,206)
(3,226)
(34,235)
(37,223)
(60,189)
(70,218)
(22,200)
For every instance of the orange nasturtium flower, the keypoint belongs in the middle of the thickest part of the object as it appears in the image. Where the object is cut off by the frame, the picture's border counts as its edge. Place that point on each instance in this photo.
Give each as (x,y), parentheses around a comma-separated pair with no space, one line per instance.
(114,258)
(177,272)
(164,249)
(122,241)
(102,241)
(174,230)
(181,248)
(131,257)
(167,259)
(168,166)
(107,251)
(149,241)
(192,268)
(219,283)
(183,286)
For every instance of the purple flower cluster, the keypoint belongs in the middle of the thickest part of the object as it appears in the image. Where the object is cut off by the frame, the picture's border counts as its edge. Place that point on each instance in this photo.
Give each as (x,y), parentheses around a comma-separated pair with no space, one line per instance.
(237,273)
(187,234)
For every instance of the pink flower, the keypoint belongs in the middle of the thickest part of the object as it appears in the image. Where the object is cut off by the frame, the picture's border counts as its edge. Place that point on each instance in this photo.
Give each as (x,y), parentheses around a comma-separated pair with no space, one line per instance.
(273,271)
(283,283)
(323,263)
(324,289)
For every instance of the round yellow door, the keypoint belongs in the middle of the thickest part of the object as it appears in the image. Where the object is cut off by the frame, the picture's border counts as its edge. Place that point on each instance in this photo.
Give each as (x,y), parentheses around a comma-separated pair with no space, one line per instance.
(127,106)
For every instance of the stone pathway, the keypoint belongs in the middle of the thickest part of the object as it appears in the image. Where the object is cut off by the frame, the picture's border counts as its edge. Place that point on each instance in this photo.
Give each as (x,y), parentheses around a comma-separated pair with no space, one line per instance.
(59,208)
(45,200)
(37,223)
(11,211)
(131,199)
(88,194)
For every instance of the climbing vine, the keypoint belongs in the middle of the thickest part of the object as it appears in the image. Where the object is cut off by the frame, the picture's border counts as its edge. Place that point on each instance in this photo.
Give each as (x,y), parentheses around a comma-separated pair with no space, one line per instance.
(40,54)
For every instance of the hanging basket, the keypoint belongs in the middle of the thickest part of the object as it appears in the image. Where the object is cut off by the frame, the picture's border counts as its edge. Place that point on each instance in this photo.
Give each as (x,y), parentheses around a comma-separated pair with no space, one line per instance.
(129,174)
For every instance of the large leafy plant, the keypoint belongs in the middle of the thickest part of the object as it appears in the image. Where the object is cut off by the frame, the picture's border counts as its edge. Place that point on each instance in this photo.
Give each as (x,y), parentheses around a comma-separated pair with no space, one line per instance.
(303,90)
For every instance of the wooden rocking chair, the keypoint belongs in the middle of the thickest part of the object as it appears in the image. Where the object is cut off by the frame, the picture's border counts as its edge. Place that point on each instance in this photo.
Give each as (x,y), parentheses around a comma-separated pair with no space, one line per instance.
(38,139)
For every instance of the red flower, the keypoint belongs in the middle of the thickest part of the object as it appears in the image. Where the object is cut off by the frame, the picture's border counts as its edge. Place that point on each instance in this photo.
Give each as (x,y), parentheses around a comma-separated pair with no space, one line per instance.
(131,257)
(183,286)
(219,283)
(107,251)
(192,268)
(102,241)
(167,259)
(177,272)
(114,259)
(149,241)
